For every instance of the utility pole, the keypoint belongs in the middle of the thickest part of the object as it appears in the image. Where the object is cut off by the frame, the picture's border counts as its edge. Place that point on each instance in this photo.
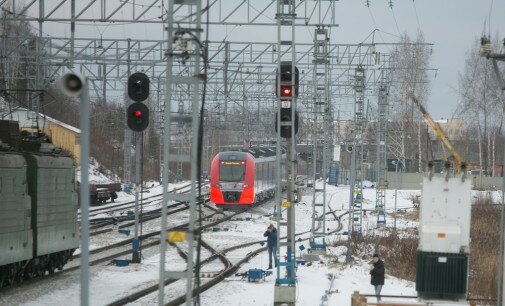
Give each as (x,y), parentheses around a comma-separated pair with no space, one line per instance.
(320,138)
(352,182)
(76,85)
(138,183)
(356,150)
(359,126)
(138,120)
(495,57)
(395,162)
(287,90)
(380,196)
(183,45)
(127,131)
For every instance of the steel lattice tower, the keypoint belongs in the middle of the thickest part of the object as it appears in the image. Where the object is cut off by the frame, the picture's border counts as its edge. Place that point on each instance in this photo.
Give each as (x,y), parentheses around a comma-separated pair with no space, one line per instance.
(320,139)
(185,46)
(381,186)
(285,283)
(357,170)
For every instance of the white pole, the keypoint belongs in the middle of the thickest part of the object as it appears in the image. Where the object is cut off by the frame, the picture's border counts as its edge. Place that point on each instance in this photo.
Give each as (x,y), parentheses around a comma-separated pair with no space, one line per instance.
(136,243)
(396,192)
(501,253)
(84,195)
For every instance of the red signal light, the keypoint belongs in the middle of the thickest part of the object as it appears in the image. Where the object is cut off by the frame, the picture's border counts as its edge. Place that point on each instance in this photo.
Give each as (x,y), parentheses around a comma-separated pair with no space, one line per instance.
(137,116)
(286,91)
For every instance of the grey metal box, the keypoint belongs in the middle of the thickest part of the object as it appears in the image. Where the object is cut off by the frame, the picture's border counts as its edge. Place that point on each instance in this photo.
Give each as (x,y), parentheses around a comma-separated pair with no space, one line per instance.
(284,295)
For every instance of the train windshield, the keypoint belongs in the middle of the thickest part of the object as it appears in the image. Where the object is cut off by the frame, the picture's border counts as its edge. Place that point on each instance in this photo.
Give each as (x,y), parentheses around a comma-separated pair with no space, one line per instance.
(231,171)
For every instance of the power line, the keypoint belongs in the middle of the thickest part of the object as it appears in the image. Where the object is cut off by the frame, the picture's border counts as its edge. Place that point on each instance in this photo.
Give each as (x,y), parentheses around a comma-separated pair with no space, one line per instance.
(489,18)
(394,17)
(417,16)
(375,23)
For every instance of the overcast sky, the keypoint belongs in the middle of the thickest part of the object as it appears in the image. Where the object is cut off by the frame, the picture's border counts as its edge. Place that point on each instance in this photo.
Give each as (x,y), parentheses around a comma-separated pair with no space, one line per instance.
(452,25)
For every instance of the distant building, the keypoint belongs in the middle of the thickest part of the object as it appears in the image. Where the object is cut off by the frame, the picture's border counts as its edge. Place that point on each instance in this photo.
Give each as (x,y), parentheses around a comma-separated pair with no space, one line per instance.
(454,129)
(62,135)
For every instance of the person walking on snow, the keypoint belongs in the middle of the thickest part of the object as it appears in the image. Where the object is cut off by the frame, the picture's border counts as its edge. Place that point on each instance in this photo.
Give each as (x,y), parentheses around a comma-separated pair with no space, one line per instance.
(271,234)
(377,275)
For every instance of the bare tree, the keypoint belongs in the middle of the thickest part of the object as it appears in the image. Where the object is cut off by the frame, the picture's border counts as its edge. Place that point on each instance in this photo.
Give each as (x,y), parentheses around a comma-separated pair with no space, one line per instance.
(481,104)
(409,74)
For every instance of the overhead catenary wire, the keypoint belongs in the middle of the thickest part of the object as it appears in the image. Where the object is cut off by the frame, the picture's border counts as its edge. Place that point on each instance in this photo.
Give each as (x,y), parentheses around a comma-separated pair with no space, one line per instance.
(375,23)
(417,16)
(396,21)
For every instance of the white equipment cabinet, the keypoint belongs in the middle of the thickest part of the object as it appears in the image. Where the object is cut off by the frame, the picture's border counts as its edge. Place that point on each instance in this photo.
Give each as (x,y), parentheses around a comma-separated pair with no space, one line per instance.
(444,246)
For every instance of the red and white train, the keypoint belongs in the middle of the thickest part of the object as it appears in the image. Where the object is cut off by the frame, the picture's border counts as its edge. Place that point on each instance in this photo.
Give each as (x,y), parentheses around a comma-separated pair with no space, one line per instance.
(242,178)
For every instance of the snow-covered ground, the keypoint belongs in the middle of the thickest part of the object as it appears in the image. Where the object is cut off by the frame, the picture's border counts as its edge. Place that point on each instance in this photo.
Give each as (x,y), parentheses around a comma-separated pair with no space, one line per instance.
(108,283)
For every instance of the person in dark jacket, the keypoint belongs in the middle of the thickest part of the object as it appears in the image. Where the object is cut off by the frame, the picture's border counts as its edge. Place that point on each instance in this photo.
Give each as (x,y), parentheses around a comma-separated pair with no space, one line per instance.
(271,234)
(377,275)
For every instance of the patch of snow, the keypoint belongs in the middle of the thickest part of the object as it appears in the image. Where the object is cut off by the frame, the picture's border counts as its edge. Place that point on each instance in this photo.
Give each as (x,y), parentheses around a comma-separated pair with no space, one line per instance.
(109,283)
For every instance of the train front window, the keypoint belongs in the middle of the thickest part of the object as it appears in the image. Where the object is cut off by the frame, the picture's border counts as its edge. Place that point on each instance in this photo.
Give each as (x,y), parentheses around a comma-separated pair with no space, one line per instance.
(232,171)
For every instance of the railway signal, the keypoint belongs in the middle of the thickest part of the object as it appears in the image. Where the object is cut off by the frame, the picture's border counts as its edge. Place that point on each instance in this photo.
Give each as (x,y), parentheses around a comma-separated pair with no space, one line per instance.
(286,117)
(285,82)
(138,87)
(137,117)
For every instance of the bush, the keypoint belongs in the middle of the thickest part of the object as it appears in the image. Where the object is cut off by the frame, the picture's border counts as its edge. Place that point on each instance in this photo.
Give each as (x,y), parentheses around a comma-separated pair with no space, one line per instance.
(484,248)
(399,251)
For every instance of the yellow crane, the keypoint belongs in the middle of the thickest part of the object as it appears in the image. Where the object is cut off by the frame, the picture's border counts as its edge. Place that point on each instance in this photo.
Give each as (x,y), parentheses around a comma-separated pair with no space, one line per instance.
(458,161)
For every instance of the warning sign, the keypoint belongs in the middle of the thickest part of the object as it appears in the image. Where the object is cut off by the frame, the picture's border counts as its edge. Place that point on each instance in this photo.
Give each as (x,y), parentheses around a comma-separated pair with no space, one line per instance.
(176,237)
(286,204)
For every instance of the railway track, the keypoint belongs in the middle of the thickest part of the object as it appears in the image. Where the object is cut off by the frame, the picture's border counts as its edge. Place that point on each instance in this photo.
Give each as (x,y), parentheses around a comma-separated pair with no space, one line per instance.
(216,280)
(97,224)
(146,291)
(127,242)
(143,217)
(117,207)
(108,257)
(148,244)
(229,269)
(136,295)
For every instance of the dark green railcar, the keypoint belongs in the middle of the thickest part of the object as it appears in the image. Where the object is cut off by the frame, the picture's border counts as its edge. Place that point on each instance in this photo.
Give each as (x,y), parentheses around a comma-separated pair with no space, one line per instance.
(38,210)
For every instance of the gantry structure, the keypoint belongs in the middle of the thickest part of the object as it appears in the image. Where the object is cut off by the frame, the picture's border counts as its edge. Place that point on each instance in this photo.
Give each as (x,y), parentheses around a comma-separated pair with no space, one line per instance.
(239,75)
